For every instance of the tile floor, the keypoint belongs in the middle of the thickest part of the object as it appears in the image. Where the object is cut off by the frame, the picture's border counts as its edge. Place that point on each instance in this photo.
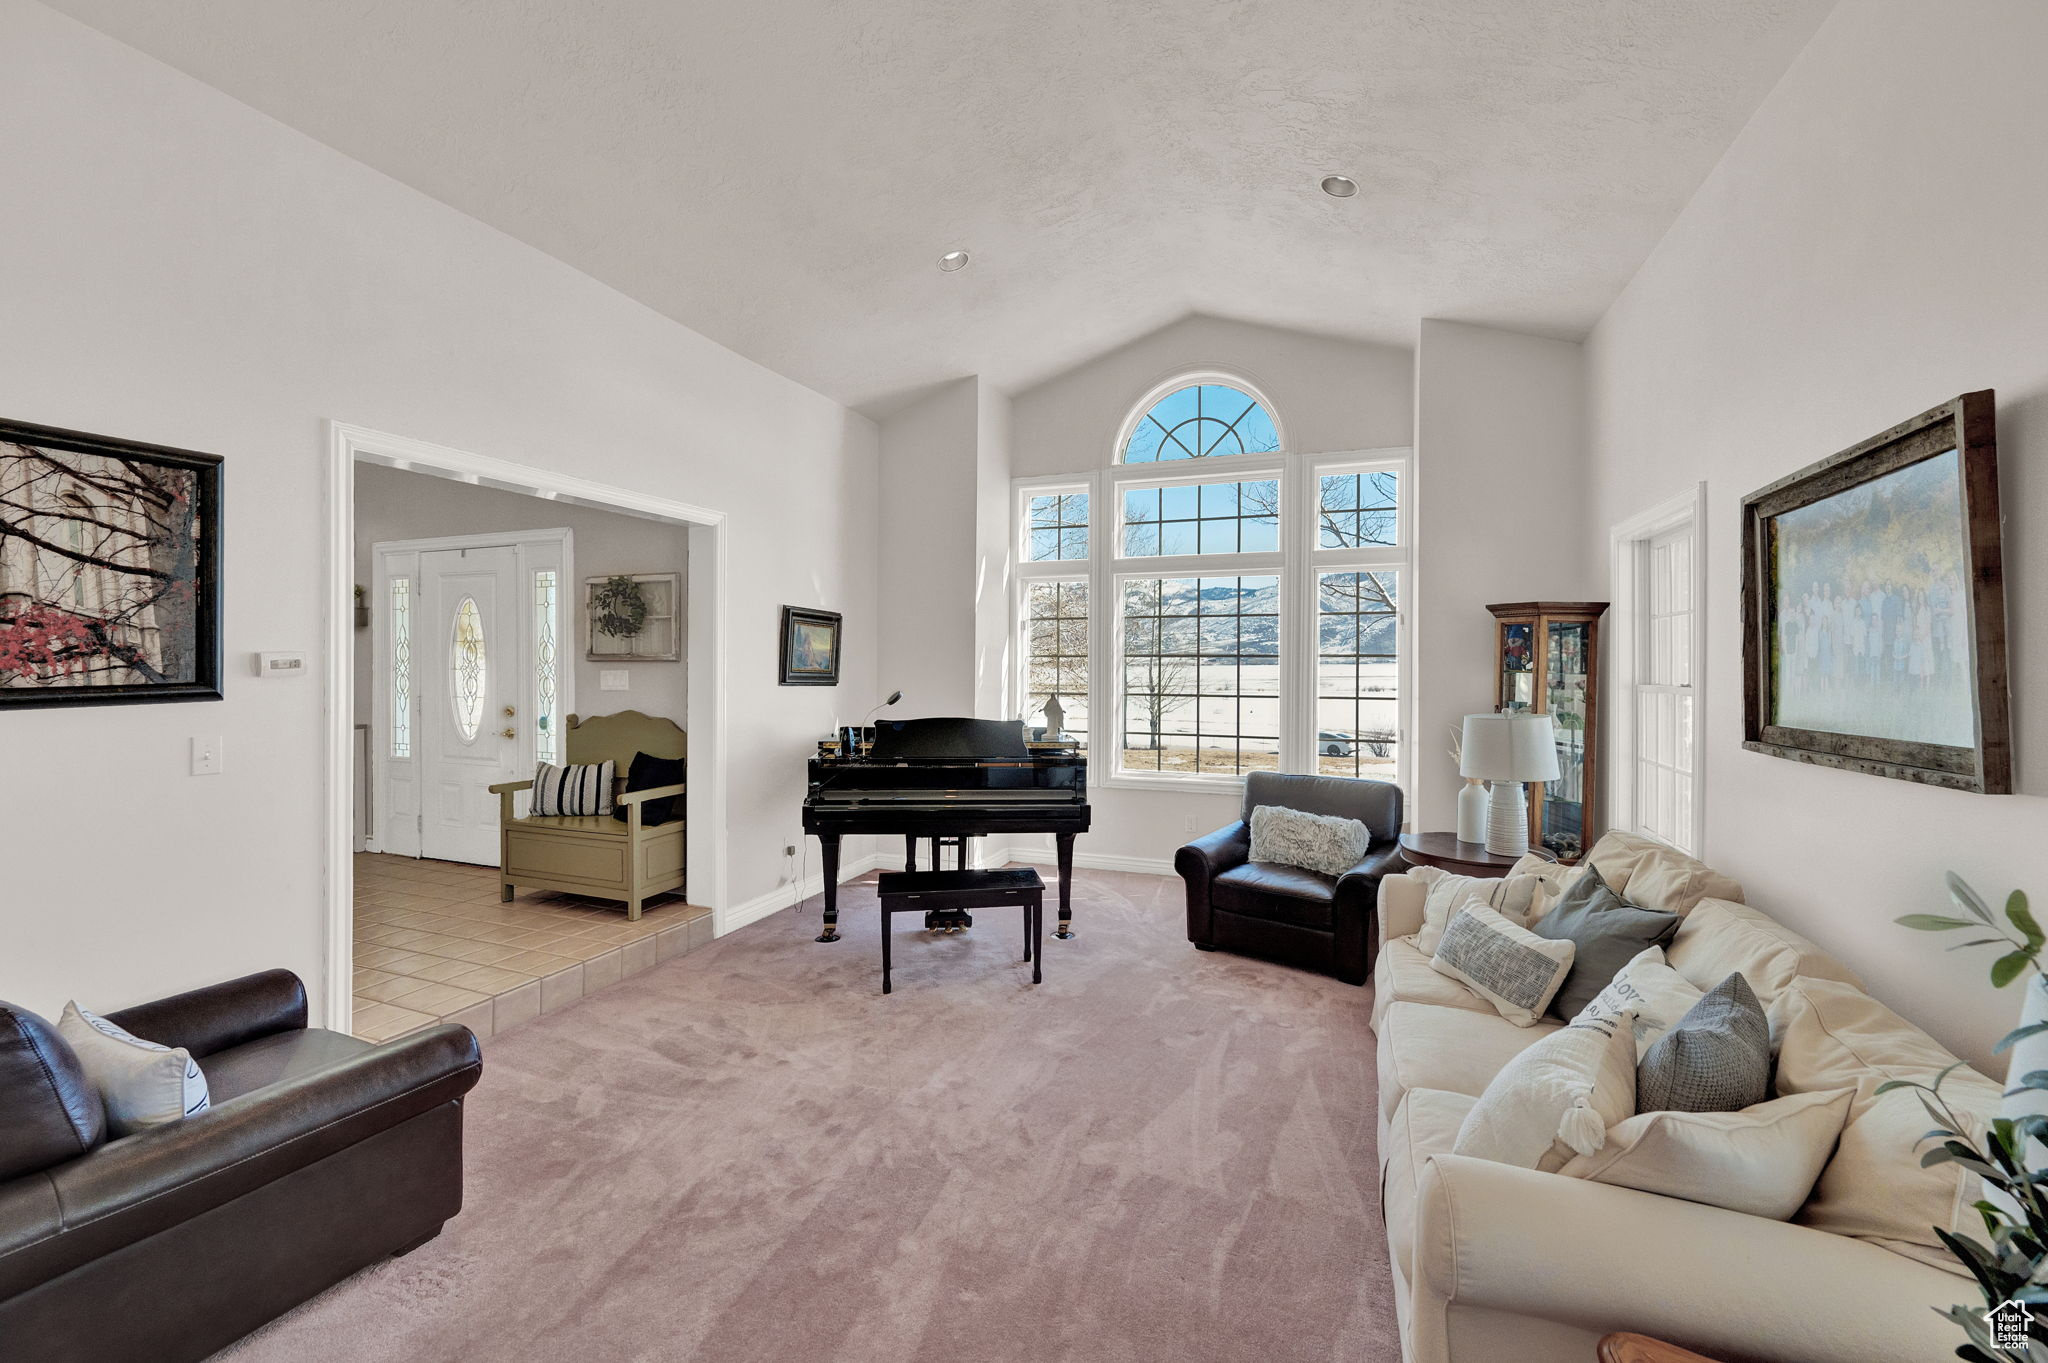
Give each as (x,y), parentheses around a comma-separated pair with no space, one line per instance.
(434,943)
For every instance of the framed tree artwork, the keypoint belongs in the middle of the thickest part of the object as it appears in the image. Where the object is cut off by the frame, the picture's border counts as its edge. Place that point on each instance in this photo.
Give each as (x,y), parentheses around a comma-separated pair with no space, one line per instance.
(109,570)
(810,647)
(1873,607)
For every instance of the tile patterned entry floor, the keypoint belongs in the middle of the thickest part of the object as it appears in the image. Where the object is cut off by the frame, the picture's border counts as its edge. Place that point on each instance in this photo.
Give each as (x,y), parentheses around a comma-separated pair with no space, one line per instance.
(434,943)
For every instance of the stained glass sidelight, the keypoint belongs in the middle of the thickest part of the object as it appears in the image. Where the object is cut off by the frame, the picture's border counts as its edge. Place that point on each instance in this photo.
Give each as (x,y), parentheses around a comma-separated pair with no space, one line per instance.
(401,667)
(546,723)
(466,669)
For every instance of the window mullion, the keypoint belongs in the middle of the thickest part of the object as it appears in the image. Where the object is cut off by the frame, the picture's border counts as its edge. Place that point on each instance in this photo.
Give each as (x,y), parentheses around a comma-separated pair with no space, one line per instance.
(1299,627)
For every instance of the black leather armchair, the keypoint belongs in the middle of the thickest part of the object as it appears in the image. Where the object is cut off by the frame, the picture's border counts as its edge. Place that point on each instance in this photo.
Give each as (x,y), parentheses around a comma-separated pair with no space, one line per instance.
(320,1155)
(1262,908)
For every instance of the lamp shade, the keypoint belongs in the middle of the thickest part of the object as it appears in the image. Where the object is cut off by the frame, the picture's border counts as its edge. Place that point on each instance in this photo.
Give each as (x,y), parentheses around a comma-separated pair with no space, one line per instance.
(1512,747)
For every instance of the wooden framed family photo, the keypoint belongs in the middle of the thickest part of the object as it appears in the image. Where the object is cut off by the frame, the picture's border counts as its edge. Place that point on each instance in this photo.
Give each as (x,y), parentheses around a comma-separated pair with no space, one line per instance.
(109,570)
(1873,607)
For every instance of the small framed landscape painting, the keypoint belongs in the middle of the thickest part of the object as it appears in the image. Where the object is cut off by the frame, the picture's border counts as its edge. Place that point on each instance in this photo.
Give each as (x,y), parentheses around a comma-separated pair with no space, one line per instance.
(810,647)
(109,570)
(1873,607)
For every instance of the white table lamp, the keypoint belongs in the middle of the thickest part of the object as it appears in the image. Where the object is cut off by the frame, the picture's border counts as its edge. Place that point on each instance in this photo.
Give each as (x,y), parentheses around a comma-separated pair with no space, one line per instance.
(1509,750)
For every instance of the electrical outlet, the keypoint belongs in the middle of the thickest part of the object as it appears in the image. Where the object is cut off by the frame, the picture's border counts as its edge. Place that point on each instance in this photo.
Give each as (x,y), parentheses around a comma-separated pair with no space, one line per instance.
(206,756)
(1187,825)
(789,849)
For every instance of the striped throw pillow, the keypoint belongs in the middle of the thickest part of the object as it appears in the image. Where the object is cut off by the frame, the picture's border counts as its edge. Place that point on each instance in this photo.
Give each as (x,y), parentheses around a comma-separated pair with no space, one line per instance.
(585,789)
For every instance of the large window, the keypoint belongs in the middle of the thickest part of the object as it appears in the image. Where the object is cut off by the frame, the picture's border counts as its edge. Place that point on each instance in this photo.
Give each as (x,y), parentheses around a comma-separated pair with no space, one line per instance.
(1659,611)
(1247,599)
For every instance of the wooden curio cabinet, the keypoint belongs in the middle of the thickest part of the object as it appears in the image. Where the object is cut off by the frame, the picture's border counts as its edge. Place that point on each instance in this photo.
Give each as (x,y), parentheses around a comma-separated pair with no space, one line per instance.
(1547,661)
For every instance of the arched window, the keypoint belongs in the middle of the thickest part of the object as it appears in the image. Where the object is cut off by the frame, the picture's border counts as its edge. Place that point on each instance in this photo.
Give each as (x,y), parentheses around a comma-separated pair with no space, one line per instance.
(1200,421)
(1155,597)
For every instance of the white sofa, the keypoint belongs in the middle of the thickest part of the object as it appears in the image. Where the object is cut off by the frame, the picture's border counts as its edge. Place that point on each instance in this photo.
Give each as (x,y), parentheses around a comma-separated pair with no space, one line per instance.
(1494,1263)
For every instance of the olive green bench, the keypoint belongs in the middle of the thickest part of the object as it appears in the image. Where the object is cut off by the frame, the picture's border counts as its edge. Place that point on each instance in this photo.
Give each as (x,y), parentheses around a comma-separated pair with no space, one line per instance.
(598,855)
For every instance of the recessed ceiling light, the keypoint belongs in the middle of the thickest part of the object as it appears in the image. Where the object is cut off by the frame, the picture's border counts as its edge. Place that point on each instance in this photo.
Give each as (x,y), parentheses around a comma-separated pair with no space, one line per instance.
(1339,186)
(953,260)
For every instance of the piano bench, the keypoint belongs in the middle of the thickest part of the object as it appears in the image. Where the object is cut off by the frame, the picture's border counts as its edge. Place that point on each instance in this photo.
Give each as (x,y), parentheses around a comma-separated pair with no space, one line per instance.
(956,891)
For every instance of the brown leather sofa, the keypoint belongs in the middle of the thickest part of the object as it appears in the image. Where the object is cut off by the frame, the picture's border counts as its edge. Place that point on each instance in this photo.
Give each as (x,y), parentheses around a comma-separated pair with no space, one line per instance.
(321,1155)
(1262,908)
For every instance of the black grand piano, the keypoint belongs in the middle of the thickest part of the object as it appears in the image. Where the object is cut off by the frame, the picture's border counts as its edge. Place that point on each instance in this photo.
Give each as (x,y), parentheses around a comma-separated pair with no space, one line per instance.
(947,780)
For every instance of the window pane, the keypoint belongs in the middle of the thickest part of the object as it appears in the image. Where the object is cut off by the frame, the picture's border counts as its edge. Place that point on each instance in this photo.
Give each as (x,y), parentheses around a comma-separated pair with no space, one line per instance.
(1056,659)
(1058,523)
(1358,510)
(1198,422)
(1358,675)
(1201,675)
(401,667)
(467,668)
(547,723)
(1203,518)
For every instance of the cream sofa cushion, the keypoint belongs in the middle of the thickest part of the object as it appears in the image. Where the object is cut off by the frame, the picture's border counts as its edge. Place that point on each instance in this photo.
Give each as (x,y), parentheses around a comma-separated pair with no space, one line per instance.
(1720,938)
(1762,1160)
(1404,975)
(1425,1124)
(1836,1036)
(1558,1098)
(1453,1049)
(1653,875)
(1552,880)
(1513,897)
(1510,967)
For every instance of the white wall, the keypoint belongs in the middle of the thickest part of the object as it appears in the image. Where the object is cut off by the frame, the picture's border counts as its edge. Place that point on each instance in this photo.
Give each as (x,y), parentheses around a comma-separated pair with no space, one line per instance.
(1870,246)
(1500,516)
(928,540)
(1331,395)
(392,504)
(179,269)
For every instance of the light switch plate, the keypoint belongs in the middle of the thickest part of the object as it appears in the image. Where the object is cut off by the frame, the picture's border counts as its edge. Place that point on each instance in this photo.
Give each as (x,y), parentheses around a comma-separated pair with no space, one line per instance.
(612,679)
(281,665)
(206,756)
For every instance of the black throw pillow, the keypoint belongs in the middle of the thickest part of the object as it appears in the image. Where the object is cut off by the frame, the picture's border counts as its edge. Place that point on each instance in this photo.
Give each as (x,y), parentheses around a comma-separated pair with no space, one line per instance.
(1607,930)
(650,773)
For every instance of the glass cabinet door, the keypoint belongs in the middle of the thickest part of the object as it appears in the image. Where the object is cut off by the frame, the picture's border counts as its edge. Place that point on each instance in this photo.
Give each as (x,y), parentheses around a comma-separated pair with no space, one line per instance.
(1566,653)
(1517,667)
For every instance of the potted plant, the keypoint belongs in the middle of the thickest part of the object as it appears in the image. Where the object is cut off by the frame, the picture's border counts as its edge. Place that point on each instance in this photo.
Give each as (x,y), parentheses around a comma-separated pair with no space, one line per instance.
(2012,1156)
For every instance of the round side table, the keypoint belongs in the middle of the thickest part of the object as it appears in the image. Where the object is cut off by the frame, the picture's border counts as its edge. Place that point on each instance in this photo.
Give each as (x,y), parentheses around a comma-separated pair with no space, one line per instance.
(1459,858)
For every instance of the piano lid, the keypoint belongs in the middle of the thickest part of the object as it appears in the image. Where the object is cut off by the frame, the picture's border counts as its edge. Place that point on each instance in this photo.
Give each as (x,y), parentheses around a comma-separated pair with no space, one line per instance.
(968,740)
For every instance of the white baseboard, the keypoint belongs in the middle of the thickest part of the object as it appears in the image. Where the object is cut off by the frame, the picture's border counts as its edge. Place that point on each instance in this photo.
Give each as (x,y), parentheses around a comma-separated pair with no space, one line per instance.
(1098,861)
(988,852)
(782,896)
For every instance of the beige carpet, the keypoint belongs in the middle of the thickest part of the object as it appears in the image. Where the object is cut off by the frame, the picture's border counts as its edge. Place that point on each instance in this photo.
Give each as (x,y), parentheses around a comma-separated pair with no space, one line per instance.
(748,1154)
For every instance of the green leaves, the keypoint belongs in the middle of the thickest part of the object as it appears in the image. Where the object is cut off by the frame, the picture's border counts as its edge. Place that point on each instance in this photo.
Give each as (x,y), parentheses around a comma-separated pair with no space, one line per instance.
(1966,899)
(1932,922)
(2016,911)
(2007,968)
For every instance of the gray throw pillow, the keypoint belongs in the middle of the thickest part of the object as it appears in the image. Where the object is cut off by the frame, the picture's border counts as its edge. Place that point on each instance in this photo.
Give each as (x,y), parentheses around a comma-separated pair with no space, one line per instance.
(1717,1059)
(1608,931)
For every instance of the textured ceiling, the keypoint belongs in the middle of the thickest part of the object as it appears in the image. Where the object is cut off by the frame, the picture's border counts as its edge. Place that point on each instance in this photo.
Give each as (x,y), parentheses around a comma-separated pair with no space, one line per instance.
(783,174)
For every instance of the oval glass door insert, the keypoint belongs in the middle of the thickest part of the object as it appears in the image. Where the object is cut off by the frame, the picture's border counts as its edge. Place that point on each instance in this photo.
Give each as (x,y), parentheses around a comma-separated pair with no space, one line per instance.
(466,669)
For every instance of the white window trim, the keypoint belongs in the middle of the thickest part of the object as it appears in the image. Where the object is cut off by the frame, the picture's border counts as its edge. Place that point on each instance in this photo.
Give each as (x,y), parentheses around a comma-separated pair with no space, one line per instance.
(1629,543)
(1297,564)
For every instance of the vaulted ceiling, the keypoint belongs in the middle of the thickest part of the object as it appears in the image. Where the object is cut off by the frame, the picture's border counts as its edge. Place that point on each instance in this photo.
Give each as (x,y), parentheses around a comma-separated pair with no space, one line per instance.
(783,175)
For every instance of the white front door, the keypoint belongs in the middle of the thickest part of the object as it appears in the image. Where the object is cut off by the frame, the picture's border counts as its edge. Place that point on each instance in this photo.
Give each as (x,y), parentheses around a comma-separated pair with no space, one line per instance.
(469,686)
(468,672)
